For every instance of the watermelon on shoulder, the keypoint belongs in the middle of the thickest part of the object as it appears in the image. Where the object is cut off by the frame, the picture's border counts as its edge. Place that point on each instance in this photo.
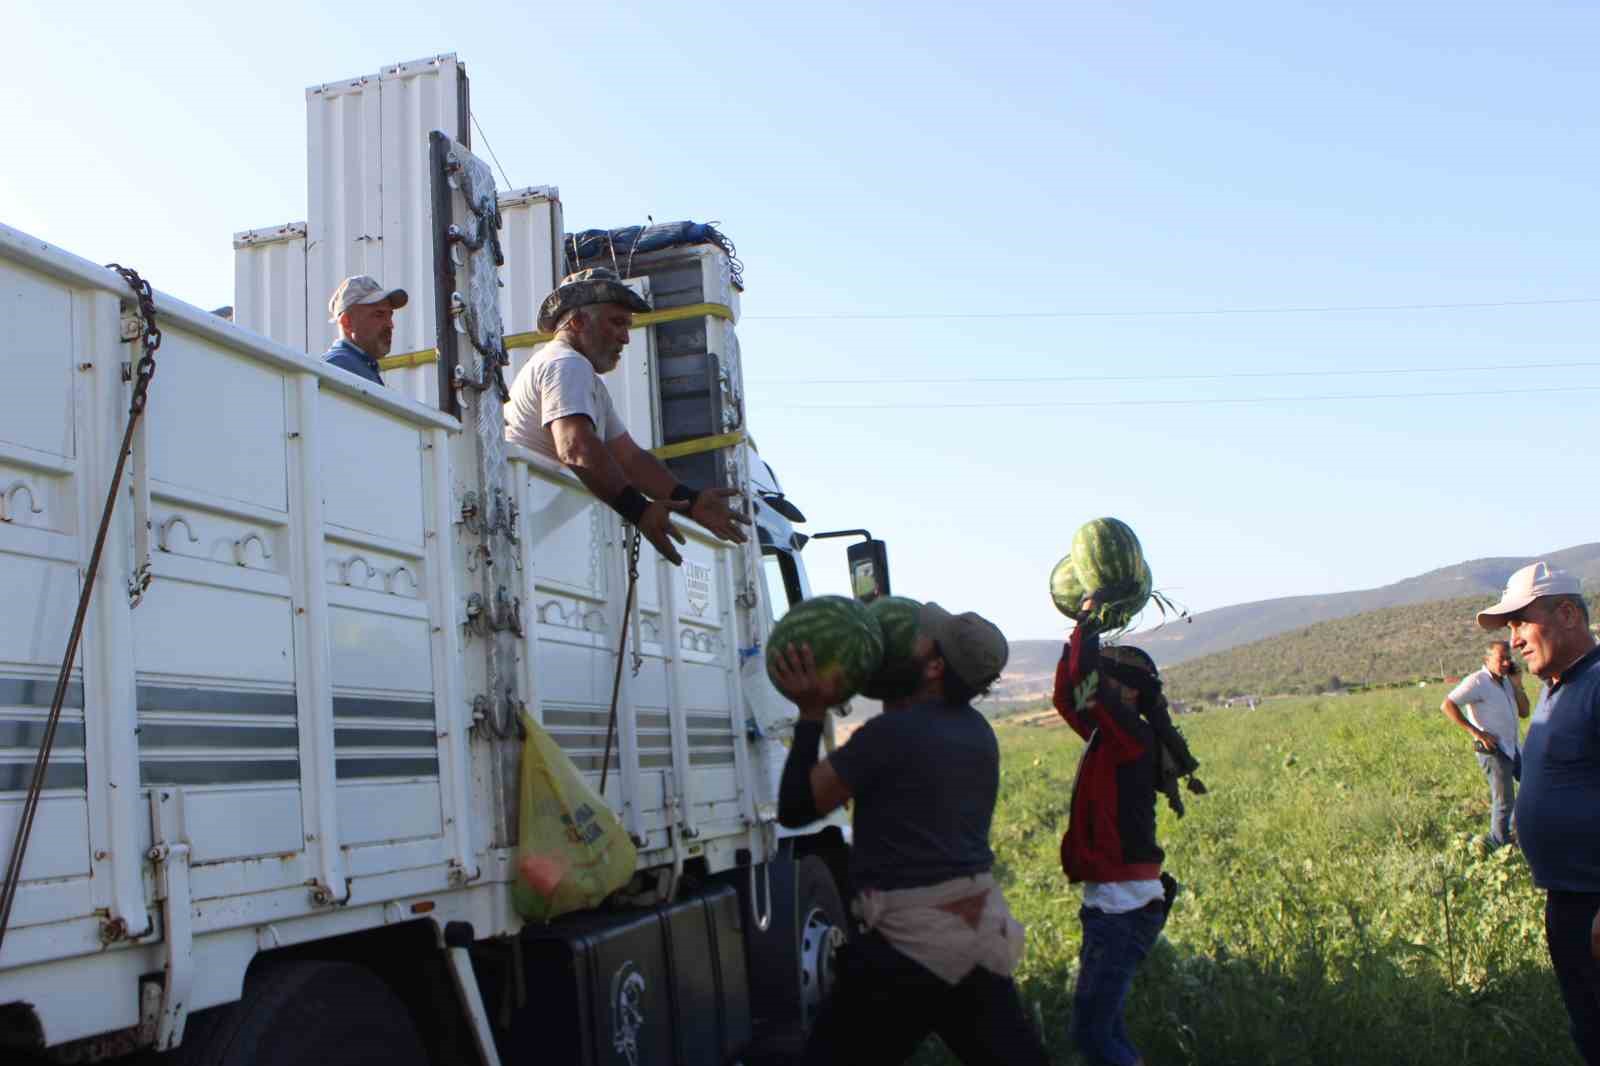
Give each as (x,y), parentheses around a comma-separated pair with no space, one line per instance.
(897,618)
(846,642)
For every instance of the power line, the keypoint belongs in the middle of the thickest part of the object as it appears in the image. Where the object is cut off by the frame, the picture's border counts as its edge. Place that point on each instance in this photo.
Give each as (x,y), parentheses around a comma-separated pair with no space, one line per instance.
(490,147)
(1174,403)
(897,315)
(1223,376)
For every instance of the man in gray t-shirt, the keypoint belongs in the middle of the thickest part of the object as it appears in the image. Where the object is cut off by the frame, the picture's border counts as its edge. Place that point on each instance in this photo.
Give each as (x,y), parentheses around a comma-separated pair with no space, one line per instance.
(560,408)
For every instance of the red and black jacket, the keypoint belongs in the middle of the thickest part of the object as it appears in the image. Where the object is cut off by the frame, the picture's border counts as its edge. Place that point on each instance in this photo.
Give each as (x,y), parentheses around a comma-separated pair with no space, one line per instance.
(1111,831)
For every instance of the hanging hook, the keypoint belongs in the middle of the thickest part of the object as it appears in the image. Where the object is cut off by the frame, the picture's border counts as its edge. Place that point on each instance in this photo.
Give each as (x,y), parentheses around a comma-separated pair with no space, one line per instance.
(388,579)
(344,569)
(242,545)
(11,499)
(166,530)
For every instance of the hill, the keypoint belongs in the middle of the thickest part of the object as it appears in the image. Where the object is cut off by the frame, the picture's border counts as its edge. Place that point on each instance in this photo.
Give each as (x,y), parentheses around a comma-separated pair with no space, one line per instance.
(1393,644)
(1229,627)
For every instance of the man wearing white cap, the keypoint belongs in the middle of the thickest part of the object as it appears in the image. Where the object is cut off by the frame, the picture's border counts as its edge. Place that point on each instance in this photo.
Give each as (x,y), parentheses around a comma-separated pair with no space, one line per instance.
(1558,809)
(364,311)
(1487,704)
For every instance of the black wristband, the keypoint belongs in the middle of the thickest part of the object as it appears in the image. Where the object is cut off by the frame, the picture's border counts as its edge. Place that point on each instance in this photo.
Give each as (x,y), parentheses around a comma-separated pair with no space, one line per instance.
(685,494)
(630,503)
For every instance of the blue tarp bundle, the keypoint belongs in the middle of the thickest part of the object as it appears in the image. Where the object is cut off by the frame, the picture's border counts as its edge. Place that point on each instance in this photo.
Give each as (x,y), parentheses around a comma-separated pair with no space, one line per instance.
(597,246)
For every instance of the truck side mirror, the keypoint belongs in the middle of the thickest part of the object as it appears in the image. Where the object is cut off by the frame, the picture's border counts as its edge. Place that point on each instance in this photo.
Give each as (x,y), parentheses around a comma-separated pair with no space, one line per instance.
(868,561)
(869,569)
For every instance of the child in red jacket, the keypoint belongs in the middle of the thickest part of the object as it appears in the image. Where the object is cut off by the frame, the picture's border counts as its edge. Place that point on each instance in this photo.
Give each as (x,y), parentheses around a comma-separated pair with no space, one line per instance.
(1112,698)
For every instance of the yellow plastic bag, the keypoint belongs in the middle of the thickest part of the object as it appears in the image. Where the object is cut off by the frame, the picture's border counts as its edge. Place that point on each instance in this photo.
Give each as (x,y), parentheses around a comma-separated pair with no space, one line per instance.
(571,851)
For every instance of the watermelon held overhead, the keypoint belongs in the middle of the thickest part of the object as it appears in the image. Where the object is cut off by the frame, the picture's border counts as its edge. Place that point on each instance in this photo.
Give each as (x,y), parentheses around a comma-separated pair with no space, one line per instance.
(846,642)
(1066,590)
(1108,561)
(1108,558)
(897,618)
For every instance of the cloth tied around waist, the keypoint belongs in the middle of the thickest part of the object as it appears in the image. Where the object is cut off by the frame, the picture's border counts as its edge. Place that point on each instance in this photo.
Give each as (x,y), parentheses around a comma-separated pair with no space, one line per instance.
(951,927)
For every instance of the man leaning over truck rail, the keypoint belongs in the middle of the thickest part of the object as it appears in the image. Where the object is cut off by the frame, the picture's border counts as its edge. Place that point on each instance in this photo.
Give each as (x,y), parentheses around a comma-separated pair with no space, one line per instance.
(1487,704)
(940,944)
(364,312)
(560,408)
(1558,809)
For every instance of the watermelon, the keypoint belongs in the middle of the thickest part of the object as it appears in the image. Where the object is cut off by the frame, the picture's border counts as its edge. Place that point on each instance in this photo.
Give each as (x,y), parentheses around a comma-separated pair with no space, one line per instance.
(1106,558)
(1066,590)
(897,618)
(1121,613)
(845,640)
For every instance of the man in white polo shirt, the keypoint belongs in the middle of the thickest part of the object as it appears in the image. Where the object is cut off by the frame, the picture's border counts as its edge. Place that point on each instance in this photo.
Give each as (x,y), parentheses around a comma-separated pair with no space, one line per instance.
(560,408)
(1487,704)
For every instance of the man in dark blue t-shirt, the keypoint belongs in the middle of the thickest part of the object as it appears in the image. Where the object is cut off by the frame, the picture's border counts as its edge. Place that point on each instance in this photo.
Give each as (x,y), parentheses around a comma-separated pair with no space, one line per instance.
(939,944)
(1558,810)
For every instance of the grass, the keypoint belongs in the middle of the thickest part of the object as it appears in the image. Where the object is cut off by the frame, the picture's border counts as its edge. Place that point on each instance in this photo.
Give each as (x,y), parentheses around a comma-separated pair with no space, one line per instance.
(1336,908)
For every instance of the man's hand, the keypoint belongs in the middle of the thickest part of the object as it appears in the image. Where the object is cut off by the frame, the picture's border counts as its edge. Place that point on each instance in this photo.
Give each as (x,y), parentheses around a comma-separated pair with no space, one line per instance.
(795,670)
(656,525)
(1487,739)
(712,511)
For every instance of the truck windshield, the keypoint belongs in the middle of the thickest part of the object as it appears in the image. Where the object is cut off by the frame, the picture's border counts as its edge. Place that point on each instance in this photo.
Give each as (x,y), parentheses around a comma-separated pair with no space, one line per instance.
(782,582)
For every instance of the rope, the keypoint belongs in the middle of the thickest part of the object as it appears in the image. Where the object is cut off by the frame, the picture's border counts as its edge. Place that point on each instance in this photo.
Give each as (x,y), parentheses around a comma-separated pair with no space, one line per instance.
(632,548)
(150,338)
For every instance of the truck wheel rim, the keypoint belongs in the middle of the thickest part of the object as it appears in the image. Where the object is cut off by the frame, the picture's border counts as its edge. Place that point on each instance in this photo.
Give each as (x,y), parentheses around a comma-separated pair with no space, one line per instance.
(819,939)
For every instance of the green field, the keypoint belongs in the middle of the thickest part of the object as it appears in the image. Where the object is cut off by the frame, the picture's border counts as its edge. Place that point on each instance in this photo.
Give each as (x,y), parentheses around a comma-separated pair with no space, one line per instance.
(1335,907)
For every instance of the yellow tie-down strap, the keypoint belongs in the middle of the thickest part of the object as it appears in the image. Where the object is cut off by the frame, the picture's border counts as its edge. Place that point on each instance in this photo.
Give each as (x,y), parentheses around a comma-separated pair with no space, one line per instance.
(698,445)
(529,340)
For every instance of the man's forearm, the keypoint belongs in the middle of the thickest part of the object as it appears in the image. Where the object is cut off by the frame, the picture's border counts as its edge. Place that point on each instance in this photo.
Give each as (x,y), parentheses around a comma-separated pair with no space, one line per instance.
(650,475)
(1452,712)
(797,804)
(599,471)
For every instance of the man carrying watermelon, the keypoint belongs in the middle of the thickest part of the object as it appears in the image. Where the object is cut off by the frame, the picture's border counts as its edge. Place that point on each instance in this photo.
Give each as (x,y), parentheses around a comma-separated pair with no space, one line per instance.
(1112,698)
(938,943)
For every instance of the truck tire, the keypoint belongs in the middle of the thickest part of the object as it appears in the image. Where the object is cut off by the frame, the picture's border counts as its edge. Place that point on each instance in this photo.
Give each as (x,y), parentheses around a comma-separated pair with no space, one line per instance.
(332,1013)
(824,926)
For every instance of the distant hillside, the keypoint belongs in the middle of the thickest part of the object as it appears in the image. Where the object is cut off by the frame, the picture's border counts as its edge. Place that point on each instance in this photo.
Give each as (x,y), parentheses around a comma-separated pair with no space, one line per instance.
(1229,627)
(1377,647)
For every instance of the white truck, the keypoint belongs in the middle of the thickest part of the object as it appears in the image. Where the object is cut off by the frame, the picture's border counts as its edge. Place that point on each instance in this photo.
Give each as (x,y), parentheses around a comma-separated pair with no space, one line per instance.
(279,820)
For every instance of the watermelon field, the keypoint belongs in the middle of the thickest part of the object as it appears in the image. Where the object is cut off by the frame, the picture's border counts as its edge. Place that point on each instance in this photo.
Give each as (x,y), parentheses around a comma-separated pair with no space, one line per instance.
(1335,907)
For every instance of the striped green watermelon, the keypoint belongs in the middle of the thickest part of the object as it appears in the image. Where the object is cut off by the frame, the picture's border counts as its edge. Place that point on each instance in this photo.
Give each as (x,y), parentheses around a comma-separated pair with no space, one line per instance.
(1066,590)
(845,639)
(1107,557)
(897,618)
(1121,613)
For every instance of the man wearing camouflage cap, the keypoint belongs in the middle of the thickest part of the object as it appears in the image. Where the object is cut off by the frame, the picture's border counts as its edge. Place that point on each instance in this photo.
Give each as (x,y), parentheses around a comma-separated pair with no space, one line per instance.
(364,312)
(939,944)
(560,408)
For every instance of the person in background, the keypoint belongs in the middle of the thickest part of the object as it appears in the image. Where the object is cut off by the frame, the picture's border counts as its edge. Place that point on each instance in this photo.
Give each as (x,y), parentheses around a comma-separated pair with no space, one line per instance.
(1558,809)
(939,943)
(1487,704)
(364,312)
(561,409)
(1112,698)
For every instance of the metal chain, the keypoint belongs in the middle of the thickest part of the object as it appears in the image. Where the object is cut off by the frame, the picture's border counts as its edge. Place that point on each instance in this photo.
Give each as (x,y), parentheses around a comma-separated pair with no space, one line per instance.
(144,370)
(632,548)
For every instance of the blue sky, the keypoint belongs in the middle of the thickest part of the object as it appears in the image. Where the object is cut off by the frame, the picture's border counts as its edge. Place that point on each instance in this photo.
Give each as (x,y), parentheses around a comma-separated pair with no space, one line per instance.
(1103,161)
